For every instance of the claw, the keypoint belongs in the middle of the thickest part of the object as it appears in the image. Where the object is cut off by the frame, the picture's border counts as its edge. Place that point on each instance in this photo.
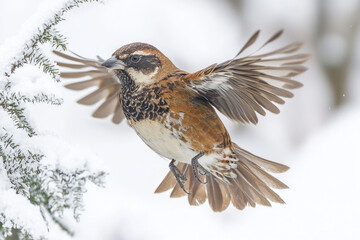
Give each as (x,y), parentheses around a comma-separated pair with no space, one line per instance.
(180,178)
(197,168)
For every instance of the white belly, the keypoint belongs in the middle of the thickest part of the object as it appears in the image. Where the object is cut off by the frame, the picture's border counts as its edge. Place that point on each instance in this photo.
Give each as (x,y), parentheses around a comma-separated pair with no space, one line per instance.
(164,141)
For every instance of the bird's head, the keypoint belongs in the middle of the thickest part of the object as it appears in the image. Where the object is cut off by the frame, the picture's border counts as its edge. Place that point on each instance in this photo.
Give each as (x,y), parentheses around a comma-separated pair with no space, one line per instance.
(141,63)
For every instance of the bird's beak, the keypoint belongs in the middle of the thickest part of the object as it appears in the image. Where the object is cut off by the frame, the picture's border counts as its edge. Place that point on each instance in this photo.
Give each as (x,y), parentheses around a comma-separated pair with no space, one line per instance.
(113,63)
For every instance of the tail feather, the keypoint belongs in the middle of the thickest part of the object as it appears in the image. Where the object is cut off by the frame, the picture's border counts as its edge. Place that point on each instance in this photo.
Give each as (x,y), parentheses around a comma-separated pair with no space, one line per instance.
(168,182)
(217,193)
(242,187)
(177,191)
(251,189)
(238,198)
(268,179)
(226,195)
(261,162)
(251,186)
(198,192)
(260,186)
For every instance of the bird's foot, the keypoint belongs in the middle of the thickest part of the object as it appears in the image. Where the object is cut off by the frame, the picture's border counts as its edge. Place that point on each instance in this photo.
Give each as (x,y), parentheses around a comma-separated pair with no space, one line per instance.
(180,178)
(197,168)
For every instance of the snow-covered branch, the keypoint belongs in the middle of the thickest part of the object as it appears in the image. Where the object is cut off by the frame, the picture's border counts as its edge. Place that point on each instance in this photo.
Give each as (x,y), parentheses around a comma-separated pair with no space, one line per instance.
(41,175)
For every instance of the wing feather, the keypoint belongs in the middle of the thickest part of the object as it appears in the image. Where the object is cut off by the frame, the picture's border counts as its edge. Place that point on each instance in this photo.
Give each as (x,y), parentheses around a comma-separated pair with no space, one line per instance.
(108,87)
(99,94)
(242,86)
(250,42)
(107,107)
(94,82)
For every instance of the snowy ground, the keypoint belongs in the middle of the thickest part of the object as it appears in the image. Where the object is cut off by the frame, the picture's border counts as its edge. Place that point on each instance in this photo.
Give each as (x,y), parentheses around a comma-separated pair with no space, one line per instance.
(320,145)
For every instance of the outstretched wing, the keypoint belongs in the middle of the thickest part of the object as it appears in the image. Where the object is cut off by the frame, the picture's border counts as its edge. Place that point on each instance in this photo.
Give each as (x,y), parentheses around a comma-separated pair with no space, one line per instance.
(240,87)
(108,86)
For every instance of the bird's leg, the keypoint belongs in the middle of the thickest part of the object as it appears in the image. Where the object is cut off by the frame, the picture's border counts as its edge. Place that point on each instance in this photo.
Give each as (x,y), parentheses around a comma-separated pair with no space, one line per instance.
(180,178)
(197,168)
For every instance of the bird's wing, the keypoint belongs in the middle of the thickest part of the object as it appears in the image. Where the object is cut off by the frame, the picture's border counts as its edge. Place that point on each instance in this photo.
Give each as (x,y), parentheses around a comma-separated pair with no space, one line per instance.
(108,87)
(240,87)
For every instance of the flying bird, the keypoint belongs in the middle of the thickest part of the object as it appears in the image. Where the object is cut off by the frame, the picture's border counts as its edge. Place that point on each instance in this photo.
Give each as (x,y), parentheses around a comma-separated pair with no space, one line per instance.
(173,112)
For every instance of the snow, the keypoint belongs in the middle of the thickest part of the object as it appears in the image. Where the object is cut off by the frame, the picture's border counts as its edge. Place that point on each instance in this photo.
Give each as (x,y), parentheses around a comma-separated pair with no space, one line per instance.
(21,212)
(59,154)
(16,207)
(29,82)
(11,50)
(328,166)
(319,144)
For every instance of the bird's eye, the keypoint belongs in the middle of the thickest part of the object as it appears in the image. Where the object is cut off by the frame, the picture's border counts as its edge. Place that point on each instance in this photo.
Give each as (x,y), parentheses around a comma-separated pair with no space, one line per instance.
(135,58)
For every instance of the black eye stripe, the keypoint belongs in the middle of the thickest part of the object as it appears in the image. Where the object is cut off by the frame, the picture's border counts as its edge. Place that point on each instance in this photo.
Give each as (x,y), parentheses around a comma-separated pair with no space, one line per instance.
(135,58)
(144,63)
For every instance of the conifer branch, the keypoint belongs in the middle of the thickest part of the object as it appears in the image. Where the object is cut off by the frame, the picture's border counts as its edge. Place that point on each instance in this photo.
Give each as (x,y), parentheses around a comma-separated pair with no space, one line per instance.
(49,187)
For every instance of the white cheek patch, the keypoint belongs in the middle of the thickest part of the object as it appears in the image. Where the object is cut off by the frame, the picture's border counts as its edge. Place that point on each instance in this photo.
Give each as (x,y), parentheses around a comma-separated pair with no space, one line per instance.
(140,78)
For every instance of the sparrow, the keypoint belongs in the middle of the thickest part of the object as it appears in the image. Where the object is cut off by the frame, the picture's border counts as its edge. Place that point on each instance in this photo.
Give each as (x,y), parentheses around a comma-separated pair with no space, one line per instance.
(173,112)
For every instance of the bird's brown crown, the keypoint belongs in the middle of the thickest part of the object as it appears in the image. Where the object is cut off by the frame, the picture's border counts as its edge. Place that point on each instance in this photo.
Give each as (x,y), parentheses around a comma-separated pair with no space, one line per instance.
(144,63)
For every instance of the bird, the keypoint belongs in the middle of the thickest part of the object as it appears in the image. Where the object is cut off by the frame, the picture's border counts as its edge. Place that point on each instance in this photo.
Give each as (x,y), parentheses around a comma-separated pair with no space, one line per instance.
(173,112)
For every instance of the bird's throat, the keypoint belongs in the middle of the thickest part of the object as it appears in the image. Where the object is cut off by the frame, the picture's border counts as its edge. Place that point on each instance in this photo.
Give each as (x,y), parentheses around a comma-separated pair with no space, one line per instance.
(128,85)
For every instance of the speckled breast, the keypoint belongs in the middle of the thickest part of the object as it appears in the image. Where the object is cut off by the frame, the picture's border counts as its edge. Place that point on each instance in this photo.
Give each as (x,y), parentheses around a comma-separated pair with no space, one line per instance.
(146,103)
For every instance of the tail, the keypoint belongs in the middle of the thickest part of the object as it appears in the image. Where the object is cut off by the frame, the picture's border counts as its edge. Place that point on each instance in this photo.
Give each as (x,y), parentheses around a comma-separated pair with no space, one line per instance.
(251,186)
